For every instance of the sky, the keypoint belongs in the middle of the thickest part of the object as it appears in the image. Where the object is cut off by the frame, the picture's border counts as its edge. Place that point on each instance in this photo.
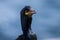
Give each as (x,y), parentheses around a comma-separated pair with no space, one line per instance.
(45,23)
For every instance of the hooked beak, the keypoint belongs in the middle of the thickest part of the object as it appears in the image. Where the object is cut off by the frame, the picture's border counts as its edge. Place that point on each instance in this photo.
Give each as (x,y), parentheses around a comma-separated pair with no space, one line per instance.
(33,12)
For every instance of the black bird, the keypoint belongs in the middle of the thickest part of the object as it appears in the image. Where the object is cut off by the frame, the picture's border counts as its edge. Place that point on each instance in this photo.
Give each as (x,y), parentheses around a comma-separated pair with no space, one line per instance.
(26,20)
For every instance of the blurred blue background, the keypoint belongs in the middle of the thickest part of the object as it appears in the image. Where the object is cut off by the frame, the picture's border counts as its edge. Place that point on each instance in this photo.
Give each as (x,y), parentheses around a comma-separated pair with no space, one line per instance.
(46,23)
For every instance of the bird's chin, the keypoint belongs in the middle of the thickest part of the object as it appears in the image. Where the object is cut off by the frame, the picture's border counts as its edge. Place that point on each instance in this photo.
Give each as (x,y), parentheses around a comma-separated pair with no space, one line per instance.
(29,16)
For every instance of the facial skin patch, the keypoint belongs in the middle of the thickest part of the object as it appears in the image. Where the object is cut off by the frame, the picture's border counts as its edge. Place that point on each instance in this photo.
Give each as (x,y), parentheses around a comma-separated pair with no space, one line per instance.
(26,13)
